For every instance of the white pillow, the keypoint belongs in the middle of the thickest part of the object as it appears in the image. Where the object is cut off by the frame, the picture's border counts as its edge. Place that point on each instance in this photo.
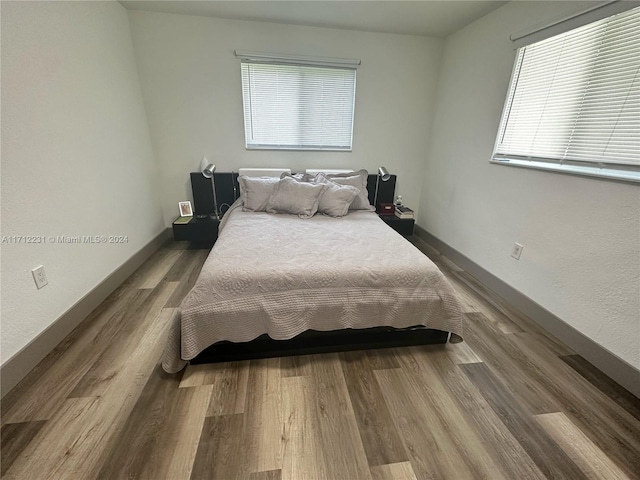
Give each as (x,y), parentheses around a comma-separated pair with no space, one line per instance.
(301,177)
(337,199)
(255,192)
(295,197)
(355,179)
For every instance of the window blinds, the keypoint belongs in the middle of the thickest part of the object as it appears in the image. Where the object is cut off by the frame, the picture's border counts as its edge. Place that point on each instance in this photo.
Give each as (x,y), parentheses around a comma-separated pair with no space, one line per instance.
(298,107)
(575,97)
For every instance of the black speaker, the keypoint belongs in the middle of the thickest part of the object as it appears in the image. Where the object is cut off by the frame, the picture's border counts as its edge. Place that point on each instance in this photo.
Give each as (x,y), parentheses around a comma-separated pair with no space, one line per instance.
(202,194)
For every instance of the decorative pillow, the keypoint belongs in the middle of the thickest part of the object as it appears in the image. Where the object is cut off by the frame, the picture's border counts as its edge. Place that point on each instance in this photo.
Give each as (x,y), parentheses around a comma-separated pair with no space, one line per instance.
(295,197)
(336,200)
(301,177)
(255,192)
(356,179)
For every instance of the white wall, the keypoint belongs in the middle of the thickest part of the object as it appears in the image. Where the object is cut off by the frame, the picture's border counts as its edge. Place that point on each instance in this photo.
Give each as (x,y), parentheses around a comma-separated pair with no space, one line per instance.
(76,156)
(192,91)
(581,236)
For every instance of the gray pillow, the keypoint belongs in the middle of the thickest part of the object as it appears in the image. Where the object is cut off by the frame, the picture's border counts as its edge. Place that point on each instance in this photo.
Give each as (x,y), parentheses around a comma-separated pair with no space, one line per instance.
(356,179)
(336,200)
(255,192)
(301,177)
(295,197)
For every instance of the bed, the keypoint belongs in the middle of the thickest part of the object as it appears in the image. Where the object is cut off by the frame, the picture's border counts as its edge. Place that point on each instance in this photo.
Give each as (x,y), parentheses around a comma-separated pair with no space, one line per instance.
(279,275)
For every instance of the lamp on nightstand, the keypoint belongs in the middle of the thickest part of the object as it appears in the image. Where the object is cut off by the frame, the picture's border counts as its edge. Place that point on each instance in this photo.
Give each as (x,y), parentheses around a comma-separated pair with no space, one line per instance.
(207,170)
(384,175)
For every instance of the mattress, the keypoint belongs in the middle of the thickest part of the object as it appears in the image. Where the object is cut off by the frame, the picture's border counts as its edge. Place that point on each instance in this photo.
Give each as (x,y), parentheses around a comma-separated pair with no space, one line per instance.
(282,275)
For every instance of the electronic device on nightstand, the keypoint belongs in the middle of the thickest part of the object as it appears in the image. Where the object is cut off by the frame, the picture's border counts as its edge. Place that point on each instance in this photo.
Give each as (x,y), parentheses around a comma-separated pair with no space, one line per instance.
(386,209)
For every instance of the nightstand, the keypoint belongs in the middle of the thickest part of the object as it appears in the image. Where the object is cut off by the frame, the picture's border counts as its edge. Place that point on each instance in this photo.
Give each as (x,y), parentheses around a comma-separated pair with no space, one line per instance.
(403,226)
(199,230)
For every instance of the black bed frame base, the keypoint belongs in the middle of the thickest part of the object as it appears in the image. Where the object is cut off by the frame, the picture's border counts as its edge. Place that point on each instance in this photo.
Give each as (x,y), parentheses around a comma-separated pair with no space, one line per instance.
(312,341)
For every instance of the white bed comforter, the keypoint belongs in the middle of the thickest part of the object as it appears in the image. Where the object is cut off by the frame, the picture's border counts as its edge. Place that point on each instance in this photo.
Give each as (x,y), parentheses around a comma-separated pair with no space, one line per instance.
(282,275)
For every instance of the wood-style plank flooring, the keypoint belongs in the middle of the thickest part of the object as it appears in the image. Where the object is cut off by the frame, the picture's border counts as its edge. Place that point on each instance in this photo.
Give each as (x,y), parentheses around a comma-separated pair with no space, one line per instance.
(511,402)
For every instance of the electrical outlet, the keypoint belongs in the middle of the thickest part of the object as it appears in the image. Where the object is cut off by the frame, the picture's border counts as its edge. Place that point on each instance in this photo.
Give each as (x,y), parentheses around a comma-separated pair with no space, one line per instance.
(516,251)
(39,277)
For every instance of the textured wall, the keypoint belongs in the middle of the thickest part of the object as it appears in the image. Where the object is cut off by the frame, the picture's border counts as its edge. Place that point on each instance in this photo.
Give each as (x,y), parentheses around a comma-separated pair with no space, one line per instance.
(581,236)
(76,156)
(192,91)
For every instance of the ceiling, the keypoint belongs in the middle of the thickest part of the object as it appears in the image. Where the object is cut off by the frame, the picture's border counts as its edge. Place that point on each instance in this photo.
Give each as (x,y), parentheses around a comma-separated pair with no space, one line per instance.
(427,18)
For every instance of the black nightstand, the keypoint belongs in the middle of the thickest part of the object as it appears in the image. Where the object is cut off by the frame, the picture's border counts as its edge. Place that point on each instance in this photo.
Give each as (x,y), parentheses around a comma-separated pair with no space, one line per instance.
(199,230)
(403,226)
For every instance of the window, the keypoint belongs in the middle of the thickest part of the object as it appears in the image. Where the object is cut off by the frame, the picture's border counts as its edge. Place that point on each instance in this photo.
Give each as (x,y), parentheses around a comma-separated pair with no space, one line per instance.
(298,104)
(574,102)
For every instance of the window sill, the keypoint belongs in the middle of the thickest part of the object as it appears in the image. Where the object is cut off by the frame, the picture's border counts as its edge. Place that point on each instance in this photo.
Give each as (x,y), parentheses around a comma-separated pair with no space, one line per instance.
(298,148)
(627,176)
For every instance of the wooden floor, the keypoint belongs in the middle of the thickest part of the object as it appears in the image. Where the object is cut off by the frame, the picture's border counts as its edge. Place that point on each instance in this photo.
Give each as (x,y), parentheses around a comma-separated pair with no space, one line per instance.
(509,403)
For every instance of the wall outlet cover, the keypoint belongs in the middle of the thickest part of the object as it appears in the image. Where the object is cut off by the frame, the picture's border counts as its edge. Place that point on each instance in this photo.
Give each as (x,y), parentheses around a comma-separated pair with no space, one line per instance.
(516,251)
(39,277)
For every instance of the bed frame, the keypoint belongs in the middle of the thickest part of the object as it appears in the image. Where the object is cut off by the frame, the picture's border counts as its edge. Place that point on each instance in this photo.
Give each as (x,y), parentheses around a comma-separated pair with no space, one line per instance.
(312,341)
(227,191)
(309,342)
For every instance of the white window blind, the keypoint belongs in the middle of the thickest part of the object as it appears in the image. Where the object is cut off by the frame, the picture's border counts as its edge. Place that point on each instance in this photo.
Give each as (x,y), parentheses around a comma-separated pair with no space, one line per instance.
(298,107)
(574,101)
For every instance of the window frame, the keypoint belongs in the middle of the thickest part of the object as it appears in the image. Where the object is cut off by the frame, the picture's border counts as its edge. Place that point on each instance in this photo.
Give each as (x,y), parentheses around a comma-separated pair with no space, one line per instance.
(607,171)
(275,60)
